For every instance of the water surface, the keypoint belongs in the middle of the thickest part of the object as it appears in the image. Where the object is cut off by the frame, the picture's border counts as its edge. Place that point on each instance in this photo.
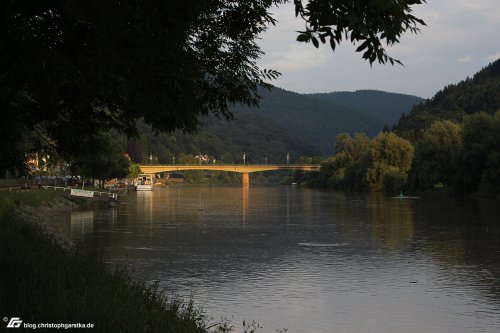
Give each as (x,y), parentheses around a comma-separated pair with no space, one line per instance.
(308,260)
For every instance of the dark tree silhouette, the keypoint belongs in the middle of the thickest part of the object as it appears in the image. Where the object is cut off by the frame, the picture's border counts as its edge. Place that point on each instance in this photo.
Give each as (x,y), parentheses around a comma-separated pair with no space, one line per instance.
(70,69)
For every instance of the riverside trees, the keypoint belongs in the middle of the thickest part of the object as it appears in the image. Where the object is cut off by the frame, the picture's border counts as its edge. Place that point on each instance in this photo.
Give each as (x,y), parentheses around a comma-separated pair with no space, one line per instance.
(71,69)
(100,157)
(364,164)
(462,157)
(480,155)
(456,135)
(437,155)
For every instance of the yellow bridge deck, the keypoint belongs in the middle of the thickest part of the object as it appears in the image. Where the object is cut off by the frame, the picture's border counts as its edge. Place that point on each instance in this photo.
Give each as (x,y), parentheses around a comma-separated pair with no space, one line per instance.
(240,168)
(230,168)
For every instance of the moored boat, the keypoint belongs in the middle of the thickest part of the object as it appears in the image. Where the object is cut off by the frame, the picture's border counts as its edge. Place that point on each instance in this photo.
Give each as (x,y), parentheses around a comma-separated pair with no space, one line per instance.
(144,182)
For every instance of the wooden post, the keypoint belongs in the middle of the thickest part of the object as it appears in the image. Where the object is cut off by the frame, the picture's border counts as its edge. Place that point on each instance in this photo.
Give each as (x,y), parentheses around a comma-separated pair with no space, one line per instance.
(245,179)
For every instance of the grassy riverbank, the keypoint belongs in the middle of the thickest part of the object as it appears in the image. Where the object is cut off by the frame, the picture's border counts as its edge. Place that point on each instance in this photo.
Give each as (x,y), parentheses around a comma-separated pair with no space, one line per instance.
(40,282)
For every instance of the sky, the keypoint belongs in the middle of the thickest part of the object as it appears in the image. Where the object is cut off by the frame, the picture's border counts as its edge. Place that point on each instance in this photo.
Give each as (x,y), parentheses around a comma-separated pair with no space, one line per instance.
(461,37)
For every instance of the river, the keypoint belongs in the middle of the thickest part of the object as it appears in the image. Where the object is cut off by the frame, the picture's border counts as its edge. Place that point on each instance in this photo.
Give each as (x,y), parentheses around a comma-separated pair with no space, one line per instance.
(309,260)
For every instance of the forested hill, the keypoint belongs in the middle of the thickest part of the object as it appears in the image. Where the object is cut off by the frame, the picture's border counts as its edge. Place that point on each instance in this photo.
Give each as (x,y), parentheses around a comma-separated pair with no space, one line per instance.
(481,93)
(387,107)
(318,118)
(260,141)
(285,122)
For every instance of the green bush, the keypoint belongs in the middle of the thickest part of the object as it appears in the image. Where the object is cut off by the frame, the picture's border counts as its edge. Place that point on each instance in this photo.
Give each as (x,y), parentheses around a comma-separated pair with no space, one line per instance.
(394,180)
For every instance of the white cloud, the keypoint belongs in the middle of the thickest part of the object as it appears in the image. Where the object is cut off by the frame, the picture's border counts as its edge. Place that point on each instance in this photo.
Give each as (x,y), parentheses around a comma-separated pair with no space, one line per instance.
(465,59)
(296,57)
(493,57)
(457,42)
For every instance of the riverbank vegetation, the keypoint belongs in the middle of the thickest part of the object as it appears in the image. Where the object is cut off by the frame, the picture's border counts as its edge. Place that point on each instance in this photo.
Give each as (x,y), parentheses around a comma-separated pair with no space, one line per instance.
(364,164)
(41,282)
(457,136)
(460,158)
(450,143)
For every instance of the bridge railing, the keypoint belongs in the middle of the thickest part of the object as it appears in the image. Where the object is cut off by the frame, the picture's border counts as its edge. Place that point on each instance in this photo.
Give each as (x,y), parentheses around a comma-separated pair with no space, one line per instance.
(233,164)
(242,168)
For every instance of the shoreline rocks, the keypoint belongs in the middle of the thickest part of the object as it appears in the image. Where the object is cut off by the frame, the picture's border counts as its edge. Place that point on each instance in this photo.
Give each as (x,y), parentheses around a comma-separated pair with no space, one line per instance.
(45,219)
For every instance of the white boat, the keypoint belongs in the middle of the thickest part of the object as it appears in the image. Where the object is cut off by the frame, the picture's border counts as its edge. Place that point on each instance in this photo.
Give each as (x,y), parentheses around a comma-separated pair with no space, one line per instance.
(144,182)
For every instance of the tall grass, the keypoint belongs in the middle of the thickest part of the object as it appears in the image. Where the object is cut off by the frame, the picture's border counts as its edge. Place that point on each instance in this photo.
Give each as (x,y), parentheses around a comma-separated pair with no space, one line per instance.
(10,200)
(40,282)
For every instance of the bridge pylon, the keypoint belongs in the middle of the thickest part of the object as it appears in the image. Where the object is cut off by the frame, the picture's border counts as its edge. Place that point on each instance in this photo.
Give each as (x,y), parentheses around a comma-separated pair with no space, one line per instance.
(245,179)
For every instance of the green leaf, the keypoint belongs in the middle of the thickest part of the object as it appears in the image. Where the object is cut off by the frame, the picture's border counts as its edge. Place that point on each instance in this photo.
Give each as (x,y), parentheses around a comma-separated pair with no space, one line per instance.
(332,43)
(303,37)
(315,41)
(362,46)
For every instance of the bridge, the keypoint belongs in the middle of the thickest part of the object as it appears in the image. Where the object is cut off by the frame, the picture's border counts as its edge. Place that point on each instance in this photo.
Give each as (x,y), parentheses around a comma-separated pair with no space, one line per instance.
(244,169)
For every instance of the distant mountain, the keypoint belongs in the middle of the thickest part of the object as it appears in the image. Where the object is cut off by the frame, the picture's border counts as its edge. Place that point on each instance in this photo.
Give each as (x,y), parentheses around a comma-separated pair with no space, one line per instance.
(385,106)
(481,93)
(262,140)
(258,138)
(318,118)
(285,122)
